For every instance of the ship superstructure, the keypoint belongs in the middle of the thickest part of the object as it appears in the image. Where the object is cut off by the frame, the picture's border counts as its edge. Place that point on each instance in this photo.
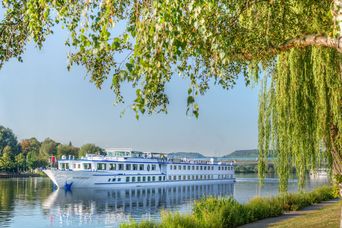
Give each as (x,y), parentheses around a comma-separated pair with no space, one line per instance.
(126,167)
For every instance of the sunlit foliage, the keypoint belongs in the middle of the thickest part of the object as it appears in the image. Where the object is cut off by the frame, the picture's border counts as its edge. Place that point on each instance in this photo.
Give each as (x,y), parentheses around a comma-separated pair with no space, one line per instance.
(296,43)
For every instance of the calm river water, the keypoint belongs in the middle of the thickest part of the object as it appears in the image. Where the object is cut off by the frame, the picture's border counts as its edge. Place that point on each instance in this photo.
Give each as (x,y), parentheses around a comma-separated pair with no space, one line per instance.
(33,202)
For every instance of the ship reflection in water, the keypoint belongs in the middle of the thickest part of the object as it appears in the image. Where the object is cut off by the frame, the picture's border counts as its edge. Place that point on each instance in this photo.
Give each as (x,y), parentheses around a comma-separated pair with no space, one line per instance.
(99,207)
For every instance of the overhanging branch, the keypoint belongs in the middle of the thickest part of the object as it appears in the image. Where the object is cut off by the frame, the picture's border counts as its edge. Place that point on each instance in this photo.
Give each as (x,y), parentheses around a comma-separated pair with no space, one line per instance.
(301,42)
(313,40)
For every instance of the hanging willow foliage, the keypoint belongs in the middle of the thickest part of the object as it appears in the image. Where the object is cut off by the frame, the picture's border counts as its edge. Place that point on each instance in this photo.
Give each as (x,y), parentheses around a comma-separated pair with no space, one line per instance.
(144,43)
(300,112)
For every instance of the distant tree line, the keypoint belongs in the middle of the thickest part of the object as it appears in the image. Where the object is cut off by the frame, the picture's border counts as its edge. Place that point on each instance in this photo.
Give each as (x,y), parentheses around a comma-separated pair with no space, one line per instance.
(29,154)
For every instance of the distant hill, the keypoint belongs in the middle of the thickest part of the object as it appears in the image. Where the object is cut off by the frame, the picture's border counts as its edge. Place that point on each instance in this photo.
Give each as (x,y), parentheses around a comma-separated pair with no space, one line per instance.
(185,155)
(243,154)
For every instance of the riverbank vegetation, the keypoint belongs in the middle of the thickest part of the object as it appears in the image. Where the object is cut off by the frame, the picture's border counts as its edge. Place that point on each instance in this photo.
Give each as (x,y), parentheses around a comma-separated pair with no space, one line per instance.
(227,212)
(326,217)
(30,154)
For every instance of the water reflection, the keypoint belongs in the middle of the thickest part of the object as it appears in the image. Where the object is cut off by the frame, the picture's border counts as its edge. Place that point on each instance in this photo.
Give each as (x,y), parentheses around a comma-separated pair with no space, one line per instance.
(33,203)
(115,206)
(17,190)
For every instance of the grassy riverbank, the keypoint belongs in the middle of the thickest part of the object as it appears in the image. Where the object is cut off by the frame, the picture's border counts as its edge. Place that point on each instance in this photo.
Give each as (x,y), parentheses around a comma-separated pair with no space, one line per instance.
(329,216)
(227,212)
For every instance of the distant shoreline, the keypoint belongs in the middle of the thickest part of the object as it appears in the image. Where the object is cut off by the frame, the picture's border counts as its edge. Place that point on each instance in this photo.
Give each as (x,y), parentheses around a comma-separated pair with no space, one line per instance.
(19,175)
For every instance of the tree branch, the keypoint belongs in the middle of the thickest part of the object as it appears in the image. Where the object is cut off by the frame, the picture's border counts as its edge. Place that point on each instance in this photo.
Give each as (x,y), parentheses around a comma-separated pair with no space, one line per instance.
(312,40)
(301,42)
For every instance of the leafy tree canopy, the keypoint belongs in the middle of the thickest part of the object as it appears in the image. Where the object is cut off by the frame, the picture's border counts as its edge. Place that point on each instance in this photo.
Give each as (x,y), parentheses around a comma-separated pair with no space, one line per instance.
(66,150)
(30,145)
(48,147)
(295,43)
(7,138)
(6,162)
(90,149)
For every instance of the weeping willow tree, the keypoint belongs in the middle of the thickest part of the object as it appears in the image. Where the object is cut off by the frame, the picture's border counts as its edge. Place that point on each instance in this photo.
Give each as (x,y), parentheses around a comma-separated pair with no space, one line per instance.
(295,44)
(300,112)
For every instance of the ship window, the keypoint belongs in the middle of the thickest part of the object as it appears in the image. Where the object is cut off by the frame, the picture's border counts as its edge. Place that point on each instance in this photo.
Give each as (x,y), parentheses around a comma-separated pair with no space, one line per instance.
(164,178)
(170,167)
(128,166)
(74,165)
(212,168)
(78,166)
(135,167)
(121,166)
(184,177)
(153,178)
(153,167)
(119,179)
(127,179)
(86,165)
(141,167)
(184,167)
(205,167)
(109,180)
(160,178)
(113,179)
(139,179)
(133,179)
(101,166)
(174,177)
(193,167)
(196,167)
(219,168)
(180,167)
(188,167)
(112,166)
(201,167)
(179,177)
(149,178)
(175,167)
(148,167)
(144,179)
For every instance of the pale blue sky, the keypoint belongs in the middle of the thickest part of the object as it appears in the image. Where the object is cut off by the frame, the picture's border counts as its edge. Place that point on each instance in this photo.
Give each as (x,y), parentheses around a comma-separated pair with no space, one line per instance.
(40,98)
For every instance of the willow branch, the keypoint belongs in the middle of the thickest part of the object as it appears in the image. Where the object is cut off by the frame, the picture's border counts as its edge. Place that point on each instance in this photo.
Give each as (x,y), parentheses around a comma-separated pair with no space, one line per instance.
(313,40)
(302,42)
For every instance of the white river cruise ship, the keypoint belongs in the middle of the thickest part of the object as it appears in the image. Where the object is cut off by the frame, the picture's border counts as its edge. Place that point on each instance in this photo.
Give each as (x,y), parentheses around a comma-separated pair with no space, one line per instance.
(122,168)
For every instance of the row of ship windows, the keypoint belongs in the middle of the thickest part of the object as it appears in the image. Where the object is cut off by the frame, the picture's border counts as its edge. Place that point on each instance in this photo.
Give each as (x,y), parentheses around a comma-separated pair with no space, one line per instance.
(139,179)
(198,177)
(112,166)
(141,167)
(170,178)
(198,167)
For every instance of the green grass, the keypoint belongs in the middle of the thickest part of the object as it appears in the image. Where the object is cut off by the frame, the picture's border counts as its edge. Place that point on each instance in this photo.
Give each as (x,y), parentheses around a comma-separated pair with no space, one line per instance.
(216,212)
(327,217)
